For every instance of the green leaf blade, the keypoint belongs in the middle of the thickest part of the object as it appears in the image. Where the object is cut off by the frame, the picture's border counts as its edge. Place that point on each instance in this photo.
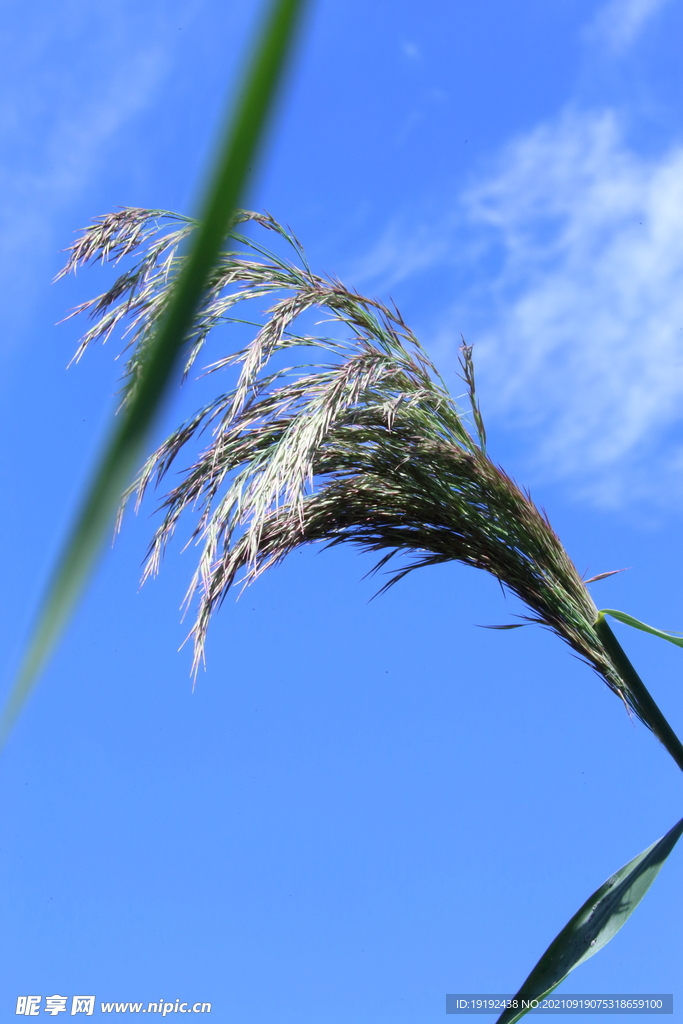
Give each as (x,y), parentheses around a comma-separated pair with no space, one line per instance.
(595,923)
(629,620)
(232,169)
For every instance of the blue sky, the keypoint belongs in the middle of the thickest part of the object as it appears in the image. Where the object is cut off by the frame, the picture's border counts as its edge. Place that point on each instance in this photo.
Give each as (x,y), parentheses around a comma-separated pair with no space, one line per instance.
(364,804)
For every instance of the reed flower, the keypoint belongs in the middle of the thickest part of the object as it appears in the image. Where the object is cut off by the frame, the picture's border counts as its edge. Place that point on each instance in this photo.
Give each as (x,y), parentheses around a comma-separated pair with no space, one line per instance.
(364,446)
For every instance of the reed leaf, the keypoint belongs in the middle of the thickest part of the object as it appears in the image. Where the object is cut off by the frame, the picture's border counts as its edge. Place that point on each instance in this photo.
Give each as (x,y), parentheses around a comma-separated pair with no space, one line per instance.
(592,927)
(159,354)
(629,620)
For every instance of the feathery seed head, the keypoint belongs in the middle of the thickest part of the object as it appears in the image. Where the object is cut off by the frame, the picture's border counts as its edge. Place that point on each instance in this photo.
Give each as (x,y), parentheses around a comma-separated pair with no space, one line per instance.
(365,447)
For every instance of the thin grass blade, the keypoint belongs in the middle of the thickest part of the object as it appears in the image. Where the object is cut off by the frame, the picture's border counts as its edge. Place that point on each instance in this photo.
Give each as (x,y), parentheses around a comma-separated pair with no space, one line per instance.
(592,927)
(628,620)
(604,575)
(508,625)
(237,153)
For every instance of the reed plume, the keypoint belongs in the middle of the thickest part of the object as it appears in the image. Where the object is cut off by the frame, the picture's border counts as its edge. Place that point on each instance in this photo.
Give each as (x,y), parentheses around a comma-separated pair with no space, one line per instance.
(365,446)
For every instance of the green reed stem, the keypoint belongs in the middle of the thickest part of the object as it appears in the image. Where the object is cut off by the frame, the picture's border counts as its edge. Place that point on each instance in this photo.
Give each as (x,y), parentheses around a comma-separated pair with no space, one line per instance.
(642,698)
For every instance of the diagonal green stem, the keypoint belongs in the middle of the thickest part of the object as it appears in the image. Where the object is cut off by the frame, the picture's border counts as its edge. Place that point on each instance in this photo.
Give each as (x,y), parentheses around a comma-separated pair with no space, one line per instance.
(239,148)
(642,699)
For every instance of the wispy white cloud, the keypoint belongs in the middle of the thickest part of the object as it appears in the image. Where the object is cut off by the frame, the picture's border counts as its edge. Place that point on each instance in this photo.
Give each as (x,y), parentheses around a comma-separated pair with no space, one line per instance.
(620,22)
(83,74)
(404,249)
(584,345)
(569,262)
